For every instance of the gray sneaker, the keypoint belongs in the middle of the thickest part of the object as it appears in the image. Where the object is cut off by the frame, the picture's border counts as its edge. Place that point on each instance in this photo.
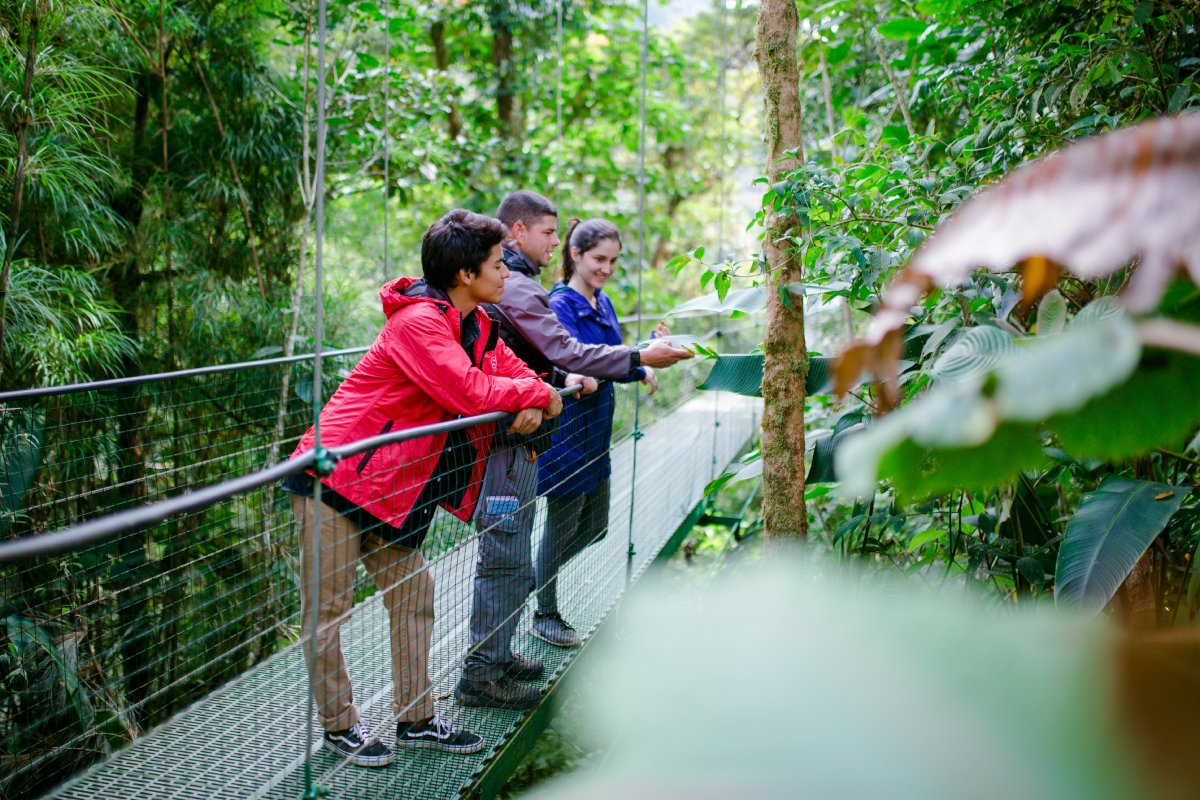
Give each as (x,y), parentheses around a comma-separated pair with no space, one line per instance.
(552,629)
(503,693)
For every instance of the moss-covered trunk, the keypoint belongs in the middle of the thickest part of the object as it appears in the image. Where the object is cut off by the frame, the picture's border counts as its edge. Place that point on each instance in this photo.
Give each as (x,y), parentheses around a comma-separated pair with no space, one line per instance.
(786,362)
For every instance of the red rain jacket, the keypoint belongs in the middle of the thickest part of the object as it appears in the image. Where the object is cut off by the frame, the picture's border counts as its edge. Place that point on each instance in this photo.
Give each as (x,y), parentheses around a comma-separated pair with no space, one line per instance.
(417,373)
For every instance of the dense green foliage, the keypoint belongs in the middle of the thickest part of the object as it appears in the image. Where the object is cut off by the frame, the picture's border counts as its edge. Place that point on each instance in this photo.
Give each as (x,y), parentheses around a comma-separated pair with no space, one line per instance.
(910,108)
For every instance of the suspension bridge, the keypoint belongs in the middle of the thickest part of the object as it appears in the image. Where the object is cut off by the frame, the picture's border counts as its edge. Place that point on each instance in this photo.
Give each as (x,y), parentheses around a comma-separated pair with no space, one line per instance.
(193,598)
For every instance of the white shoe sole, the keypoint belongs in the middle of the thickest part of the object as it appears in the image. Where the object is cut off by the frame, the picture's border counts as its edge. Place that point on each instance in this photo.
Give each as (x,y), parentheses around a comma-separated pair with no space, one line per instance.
(360,760)
(547,640)
(448,748)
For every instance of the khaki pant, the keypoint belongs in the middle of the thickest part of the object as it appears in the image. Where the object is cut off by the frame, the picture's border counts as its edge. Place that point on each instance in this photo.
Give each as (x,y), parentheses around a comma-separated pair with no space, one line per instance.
(401,574)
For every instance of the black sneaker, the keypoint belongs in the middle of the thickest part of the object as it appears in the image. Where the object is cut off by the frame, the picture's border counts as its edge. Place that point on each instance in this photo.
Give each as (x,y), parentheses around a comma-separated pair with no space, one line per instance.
(359,746)
(437,734)
(552,629)
(503,693)
(522,668)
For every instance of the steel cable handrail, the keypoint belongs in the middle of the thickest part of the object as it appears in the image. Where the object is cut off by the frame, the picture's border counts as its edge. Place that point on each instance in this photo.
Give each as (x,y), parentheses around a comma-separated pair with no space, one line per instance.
(107,527)
(134,380)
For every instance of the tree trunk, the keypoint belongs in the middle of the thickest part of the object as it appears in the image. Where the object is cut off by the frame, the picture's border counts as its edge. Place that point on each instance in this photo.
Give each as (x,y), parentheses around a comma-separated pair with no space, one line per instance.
(1141,595)
(786,360)
(14,224)
(502,60)
(441,57)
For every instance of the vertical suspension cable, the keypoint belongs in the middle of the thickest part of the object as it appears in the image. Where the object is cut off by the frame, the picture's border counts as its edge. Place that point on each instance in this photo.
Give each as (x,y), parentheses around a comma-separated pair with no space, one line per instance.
(318,334)
(722,199)
(637,406)
(387,131)
(556,161)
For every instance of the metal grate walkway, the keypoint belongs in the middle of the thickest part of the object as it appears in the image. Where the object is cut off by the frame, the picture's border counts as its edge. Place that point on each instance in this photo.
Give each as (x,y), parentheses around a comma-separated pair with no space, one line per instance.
(246,740)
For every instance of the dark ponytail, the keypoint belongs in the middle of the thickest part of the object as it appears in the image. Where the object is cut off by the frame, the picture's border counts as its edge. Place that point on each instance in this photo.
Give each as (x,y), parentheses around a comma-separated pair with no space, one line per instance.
(583,236)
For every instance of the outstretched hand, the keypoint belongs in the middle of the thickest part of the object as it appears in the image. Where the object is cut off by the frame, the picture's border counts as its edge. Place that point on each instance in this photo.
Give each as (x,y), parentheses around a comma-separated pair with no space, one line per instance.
(661,353)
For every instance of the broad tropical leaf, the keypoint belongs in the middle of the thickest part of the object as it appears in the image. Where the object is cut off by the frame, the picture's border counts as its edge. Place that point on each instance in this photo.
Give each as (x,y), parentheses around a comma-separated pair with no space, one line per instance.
(981,430)
(1052,314)
(976,352)
(1155,408)
(1054,374)
(1107,535)
(747,301)
(822,469)
(742,374)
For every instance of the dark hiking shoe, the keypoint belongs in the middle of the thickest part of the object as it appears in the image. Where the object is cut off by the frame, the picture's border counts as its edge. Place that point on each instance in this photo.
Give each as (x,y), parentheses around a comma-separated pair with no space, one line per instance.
(437,734)
(503,693)
(359,746)
(552,629)
(522,668)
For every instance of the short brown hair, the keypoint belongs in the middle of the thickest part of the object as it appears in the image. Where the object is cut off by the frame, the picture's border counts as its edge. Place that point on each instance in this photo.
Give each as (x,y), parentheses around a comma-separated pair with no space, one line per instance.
(524,206)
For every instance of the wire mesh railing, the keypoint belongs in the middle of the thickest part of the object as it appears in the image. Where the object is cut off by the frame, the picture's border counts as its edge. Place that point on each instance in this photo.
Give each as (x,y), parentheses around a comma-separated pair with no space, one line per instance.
(108,639)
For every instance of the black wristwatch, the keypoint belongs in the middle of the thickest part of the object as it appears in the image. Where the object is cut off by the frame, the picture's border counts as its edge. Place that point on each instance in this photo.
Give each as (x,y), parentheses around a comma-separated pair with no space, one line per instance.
(635,358)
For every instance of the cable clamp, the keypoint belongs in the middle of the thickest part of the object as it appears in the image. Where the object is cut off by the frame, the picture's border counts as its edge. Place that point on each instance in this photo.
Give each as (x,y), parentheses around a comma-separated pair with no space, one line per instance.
(638,434)
(324,462)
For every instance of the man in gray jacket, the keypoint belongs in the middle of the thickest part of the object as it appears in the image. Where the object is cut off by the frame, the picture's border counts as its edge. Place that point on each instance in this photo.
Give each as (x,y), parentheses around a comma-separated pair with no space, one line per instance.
(504,575)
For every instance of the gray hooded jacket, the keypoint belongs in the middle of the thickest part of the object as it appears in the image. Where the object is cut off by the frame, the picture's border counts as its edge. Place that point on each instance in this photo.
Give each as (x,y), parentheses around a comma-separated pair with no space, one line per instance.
(530,328)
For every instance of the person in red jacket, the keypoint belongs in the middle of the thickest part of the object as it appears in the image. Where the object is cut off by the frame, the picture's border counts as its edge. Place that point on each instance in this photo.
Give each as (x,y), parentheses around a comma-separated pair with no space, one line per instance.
(438,356)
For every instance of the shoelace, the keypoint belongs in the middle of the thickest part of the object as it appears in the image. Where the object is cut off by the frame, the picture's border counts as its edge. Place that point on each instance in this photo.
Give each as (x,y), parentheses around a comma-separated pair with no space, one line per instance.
(444,729)
(558,618)
(363,733)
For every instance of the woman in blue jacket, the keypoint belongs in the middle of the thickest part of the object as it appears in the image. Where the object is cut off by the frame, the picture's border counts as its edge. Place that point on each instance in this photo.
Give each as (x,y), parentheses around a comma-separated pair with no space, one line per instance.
(573,474)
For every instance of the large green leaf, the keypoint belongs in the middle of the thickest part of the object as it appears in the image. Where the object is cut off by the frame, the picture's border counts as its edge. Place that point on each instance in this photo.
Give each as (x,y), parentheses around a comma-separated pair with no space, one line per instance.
(976,352)
(1099,350)
(747,301)
(946,435)
(1051,314)
(737,373)
(822,469)
(742,374)
(918,472)
(1119,424)
(1107,535)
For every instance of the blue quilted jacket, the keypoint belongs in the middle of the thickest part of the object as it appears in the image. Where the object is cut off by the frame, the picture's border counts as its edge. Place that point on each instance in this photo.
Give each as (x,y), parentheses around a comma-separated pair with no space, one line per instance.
(578,458)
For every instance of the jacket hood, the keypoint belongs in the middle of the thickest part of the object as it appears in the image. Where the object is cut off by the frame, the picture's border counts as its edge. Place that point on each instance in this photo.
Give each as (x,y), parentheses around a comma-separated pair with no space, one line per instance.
(396,294)
(517,261)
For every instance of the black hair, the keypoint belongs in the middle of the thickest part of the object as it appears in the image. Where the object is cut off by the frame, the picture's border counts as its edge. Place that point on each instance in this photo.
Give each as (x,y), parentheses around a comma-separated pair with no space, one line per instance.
(524,206)
(583,236)
(460,240)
